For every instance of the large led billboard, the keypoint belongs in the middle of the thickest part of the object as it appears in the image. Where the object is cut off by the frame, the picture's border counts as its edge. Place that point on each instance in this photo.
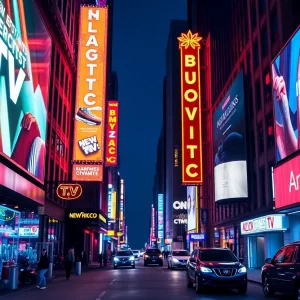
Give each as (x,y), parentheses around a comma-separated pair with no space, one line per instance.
(111,153)
(25,55)
(229,144)
(91,93)
(191,207)
(286,97)
(160,216)
(190,108)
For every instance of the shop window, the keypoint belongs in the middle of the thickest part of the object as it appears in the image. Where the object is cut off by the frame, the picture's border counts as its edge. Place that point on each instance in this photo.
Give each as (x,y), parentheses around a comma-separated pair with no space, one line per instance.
(257,95)
(262,186)
(260,138)
(270,131)
(264,41)
(274,26)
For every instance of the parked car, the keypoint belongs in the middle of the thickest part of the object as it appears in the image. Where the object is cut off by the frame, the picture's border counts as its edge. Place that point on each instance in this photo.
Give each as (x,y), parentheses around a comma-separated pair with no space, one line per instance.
(178,259)
(282,272)
(153,257)
(215,267)
(124,258)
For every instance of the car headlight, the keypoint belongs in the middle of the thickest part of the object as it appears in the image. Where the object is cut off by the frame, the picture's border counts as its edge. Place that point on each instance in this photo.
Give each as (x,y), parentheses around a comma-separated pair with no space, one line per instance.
(131,258)
(146,255)
(175,260)
(116,259)
(160,255)
(242,270)
(205,270)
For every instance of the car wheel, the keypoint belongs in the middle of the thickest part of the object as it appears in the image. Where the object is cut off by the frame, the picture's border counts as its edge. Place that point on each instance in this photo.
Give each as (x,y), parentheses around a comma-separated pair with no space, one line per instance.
(242,290)
(266,287)
(189,284)
(197,285)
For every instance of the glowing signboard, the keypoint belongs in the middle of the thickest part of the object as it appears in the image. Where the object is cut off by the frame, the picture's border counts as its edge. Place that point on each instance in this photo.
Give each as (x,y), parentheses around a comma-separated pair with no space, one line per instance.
(69,191)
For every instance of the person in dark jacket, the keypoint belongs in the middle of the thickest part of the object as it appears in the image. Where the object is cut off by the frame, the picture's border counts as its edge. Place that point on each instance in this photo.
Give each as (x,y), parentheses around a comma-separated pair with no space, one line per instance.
(100,259)
(43,265)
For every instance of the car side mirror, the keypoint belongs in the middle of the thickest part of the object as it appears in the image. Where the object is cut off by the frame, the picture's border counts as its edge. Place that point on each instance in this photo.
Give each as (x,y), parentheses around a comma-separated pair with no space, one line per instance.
(192,260)
(241,260)
(268,261)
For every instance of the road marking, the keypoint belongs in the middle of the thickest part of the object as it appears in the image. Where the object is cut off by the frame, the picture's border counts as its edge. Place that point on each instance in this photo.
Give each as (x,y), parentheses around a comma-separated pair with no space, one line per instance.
(101,295)
(112,282)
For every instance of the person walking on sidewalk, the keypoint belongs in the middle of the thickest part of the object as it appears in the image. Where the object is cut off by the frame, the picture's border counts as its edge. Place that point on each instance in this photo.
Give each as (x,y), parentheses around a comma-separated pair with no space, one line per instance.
(69,262)
(100,258)
(43,265)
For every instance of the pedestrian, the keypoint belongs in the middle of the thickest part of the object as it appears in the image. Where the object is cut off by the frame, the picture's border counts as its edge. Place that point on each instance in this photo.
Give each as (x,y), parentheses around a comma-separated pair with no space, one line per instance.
(104,259)
(43,265)
(100,258)
(69,263)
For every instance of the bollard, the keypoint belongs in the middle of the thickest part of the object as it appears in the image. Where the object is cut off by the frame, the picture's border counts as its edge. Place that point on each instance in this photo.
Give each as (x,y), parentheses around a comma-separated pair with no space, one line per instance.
(50,271)
(78,267)
(13,277)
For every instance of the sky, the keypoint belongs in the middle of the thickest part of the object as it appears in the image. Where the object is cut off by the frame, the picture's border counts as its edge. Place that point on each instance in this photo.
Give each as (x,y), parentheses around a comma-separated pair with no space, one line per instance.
(139,45)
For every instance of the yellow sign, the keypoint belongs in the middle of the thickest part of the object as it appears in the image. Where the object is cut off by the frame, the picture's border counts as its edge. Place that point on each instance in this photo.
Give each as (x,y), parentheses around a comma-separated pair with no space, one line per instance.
(88,215)
(113,205)
(110,232)
(119,233)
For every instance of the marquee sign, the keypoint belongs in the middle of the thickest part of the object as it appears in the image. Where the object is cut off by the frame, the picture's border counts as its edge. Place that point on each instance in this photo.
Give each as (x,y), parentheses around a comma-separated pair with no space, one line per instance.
(190,109)
(69,191)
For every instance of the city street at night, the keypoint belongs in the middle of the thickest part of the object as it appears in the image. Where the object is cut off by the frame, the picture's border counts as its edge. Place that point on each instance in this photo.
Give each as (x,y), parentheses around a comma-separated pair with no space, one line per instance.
(152,282)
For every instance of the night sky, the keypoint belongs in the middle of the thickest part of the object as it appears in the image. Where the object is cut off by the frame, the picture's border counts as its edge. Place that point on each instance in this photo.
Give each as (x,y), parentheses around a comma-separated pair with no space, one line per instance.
(139,44)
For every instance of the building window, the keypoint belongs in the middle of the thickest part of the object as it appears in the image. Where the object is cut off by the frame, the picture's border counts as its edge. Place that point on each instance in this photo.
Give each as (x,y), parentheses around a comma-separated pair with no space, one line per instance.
(274,26)
(253,15)
(260,138)
(257,95)
(254,192)
(267,86)
(252,144)
(264,41)
(262,6)
(57,65)
(270,131)
(255,54)
(60,111)
(262,186)
(52,138)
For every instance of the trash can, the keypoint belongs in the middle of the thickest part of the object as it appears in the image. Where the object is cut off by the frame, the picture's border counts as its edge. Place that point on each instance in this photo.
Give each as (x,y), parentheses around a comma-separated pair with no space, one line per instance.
(78,267)
(13,277)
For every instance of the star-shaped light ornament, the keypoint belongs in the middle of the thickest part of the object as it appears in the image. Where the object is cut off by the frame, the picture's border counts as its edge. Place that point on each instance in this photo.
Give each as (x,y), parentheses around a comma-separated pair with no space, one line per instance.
(189,39)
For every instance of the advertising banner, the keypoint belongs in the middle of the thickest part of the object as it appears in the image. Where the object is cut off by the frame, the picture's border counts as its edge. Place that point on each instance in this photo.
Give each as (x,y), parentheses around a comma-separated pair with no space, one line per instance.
(190,109)
(109,200)
(286,97)
(229,138)
(180,220)
(87,172)
(91,89)
(160,216)
(112,133)
(153,223)
(196,237)
(25,55)
(113,205)
(191,207)
(121,208)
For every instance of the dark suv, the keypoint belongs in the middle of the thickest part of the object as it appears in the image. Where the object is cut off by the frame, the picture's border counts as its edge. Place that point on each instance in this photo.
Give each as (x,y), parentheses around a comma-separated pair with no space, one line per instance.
(216,267)
(282,272)
(153,256)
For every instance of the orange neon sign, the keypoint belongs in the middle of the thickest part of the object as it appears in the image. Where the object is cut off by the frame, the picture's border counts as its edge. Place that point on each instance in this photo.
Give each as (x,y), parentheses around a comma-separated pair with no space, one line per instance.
(91,89)
(189,45)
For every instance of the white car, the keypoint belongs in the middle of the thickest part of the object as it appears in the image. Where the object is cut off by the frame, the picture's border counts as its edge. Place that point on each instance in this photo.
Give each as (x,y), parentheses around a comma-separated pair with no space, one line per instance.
(142,252)
(136,254)
(178,259)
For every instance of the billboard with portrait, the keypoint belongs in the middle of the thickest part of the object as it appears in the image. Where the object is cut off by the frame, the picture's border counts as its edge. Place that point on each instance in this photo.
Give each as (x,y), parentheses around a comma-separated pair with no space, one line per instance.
(286,97)
(191,207)
(229,144)
(25,54)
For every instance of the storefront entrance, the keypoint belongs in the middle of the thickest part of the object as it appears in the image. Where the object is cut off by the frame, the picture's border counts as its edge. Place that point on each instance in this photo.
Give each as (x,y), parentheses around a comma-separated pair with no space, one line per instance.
(256,251)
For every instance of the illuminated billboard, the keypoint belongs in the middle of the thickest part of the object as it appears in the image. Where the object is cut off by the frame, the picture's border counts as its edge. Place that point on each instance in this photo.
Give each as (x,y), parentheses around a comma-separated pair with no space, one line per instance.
(121,208)
(160,216)
(229,144)
(286,97)
(111,157)
(91,93)
(25,55)
(109,201)
(191,207)
(113,205)
(191,109)
(153,223)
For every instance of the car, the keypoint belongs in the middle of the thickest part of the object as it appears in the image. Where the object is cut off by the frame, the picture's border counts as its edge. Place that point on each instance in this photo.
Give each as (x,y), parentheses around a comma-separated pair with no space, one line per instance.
(216,267)
(136,254)
(142,252)
(282,272)
(124,258)
(153,256)
(178,259)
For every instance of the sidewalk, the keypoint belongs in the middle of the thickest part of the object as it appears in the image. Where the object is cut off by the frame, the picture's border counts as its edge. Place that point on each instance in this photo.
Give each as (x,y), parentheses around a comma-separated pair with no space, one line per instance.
(254,275)
(56,275)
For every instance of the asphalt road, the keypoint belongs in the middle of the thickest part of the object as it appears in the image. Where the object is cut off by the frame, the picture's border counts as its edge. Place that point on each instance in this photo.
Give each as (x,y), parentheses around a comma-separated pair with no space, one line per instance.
(142,283)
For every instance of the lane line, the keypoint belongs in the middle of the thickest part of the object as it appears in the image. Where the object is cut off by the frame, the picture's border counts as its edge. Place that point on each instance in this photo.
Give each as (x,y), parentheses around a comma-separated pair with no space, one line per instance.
(112,282)
(101,295)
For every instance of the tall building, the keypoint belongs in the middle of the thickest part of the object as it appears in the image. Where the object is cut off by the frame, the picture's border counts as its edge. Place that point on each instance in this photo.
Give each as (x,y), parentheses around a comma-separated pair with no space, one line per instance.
(176,218)
(250,35)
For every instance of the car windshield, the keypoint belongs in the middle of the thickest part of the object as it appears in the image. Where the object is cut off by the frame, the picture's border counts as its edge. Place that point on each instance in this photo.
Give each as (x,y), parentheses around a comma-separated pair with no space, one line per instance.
(153,251)
(181,253)
(124,253)
(217,255)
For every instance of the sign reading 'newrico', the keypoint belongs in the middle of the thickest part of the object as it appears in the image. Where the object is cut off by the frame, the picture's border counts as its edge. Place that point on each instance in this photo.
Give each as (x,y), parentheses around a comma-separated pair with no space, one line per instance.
(69,191)
(87,216)
(189,45)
